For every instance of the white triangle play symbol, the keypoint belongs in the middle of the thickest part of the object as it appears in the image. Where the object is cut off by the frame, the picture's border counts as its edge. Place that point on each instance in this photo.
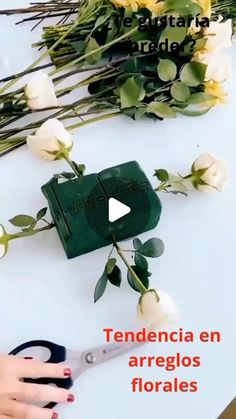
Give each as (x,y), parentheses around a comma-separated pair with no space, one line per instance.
(117,210)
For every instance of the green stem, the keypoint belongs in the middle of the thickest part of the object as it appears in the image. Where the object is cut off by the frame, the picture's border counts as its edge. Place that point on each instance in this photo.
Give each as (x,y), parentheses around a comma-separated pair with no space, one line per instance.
(165,185)
(14,140)
(188,176)
(47,52)
(100,49)
(137,281)
(66,157)
(28,233)
(95,119)
(91,79)
(10,144)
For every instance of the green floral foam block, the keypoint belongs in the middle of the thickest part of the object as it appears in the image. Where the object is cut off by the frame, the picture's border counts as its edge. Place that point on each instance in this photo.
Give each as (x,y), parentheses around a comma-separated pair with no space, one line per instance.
(80,207)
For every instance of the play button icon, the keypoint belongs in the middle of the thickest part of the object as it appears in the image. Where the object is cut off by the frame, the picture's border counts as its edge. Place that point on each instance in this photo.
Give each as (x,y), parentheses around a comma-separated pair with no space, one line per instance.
(122,203)
(117,210)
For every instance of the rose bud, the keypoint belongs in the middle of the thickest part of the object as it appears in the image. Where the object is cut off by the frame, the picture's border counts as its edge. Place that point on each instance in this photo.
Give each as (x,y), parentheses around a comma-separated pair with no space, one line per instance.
(156,309)
(51,141)
(40,92)
(209,172)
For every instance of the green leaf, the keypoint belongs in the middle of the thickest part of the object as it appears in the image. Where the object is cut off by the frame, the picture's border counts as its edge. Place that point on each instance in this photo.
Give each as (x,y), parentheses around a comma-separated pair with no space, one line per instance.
(199,98)
(142,275)
(137,244)
(153,248)
(110,265)
(79,46)
(22,221)
(137,65)
(130,112)
(131,93)
(41,214)
(141,262)
(162,175)
(181,105)
(92,46)
(101,20)
(174,34)
(162,110)
(190,49)
(180,91)
(193,74)
(167,70)
(183,7)
(174,178)
(115,276)
(180,187)
(101,286)
(80,168)
(140,112)
(188,112)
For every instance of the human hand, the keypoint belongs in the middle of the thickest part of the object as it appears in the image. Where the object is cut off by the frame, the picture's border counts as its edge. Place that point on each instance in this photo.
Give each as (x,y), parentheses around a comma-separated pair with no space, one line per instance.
(16,397)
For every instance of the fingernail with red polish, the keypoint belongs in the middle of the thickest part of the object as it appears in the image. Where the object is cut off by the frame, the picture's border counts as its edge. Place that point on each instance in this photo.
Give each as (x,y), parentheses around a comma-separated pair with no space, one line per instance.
(67,372)
(28,357)
(55,415)
(71,398)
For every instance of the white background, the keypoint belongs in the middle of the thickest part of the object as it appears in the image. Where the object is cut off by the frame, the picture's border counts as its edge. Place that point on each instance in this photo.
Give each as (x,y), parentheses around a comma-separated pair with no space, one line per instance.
(45,296)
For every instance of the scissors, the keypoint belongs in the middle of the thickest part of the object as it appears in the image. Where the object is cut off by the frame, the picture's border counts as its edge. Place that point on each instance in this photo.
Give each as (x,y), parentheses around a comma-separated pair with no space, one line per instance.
(80,361)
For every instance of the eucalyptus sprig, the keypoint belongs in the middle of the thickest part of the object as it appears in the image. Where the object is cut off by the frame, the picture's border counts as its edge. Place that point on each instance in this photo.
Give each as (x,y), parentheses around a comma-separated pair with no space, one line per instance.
(137,271)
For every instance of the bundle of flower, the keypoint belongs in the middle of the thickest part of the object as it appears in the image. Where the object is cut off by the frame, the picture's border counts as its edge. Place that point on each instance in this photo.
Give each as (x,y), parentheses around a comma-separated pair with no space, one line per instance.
(156,59)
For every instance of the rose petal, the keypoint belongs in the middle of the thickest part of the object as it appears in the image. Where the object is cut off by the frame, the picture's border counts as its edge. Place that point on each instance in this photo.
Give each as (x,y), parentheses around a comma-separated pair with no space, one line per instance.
(218,65)
(204,161)
(54,128)
(3,250)
(41,145)
(219,35)
(216,174)
(2,230)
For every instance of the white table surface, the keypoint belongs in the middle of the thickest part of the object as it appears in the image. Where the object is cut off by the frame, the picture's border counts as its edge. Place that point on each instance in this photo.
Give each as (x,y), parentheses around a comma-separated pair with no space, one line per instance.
(45,296)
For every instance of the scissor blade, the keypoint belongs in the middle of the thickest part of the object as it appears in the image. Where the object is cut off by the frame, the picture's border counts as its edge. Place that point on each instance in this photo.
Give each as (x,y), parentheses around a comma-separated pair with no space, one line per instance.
(100,354)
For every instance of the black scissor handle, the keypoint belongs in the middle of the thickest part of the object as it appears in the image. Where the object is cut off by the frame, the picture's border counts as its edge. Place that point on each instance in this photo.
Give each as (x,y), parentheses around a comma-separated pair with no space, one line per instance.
(57,355)
(58,352)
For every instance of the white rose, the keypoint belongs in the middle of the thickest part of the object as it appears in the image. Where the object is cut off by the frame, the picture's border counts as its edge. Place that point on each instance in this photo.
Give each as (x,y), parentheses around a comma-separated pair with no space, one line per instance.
(157,309)
(40,92)
(218,65)
(215,175)
(3,244)
(219,35)
(50,140)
